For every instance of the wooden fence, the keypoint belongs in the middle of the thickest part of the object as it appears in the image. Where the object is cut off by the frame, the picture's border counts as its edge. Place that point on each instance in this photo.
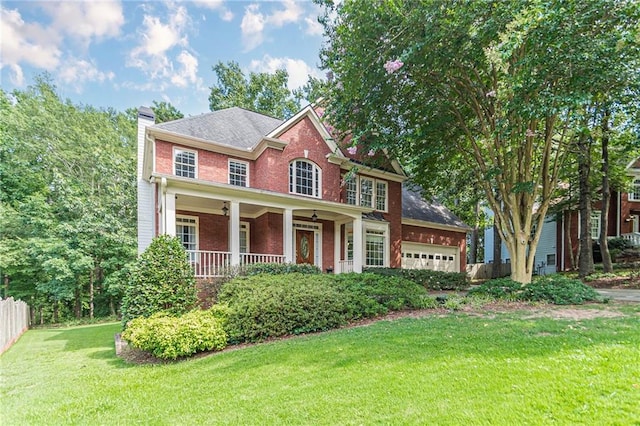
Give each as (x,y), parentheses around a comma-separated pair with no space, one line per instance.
(483,271)
(14,320)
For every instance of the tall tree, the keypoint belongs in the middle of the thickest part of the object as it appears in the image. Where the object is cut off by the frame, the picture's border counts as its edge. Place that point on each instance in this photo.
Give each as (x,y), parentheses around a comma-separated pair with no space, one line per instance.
(496,82)
(164,112)
(260,92)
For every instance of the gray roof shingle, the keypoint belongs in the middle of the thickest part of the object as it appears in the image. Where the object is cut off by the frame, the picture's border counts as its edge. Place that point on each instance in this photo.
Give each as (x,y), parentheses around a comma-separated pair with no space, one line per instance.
(234,126)
(415,207)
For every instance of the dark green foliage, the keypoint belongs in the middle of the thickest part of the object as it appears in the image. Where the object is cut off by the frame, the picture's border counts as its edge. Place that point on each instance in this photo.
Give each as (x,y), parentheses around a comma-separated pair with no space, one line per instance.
(264,306)
(559,290)
(161,280)
(170,337)
(280,268)
(500,288)
(619,243)
(429,279)
(372,294)
(556,289)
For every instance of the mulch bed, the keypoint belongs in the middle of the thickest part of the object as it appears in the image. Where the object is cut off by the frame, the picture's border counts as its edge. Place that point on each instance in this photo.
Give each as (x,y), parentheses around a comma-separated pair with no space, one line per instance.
(616,283)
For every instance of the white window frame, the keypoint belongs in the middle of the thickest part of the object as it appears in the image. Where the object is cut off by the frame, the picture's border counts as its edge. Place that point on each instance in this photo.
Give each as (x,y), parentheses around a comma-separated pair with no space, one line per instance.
(246,227)
(246,176)
(378,229)
(353,185)
(634,194)
(195,224)
(596,225)
(176,152)
(316,180)
(317,238)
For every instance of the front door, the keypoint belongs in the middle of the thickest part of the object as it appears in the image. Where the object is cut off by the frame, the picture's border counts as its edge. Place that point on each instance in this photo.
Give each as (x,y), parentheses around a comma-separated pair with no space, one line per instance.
(304,247)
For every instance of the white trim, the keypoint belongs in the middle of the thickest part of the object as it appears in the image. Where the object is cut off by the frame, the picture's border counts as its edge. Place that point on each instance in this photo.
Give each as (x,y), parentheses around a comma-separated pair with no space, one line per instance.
(375,227)
(635,186)
(433,225)
(316,180)
(307,111)
(243,162)
(299,225)
(176,151)
(196,225)
(247,228)
(374,192)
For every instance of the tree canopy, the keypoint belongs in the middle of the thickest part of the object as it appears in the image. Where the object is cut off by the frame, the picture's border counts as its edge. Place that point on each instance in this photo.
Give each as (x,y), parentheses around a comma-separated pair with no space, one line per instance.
(495,87)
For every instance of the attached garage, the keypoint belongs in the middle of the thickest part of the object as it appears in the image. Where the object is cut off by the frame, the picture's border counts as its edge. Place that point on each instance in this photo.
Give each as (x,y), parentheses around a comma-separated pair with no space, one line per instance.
(428,256)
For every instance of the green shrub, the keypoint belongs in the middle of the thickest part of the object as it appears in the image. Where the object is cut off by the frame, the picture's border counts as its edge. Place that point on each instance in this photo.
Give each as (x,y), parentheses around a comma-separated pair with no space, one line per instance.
(619,243)
(499,288)
(558,290)
(264,306)
(170,337)
(373,294)
(161,280)
(429,279)
(279,268)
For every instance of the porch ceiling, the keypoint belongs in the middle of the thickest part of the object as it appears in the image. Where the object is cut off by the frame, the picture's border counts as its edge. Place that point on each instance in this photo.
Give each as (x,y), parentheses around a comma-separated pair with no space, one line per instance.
(214,206)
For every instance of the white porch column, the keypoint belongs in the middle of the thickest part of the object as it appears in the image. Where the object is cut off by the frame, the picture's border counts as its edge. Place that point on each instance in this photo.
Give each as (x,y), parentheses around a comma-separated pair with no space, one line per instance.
(336,247)
(170,214)
(234,232)
(287,235)
(359,249)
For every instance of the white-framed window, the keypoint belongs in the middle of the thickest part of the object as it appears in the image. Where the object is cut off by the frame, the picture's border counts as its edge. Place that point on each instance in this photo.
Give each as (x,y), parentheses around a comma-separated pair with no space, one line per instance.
(304,178)
(185,163)
(187,231)
(238,173)
(595,224)
(381,195)
(375,248)
(244,237)
(351,188)
(366,192)
(634,194)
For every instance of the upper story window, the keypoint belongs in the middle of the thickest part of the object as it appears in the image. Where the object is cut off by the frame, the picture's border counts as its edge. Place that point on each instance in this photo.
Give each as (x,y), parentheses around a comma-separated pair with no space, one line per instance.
(304,178)
(634,194)
(367,192)
(238,173)
(184,162)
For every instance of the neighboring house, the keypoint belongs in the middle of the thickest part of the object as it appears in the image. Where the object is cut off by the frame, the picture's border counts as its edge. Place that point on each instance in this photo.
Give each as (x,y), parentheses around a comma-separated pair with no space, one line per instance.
(240,187)
(553,252)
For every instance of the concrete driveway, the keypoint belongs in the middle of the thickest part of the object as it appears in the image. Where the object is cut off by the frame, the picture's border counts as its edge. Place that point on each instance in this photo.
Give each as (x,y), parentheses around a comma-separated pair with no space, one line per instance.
(620,294)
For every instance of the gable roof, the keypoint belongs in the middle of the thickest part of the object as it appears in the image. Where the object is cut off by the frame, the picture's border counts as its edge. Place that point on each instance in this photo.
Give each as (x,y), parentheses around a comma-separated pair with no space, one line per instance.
(415,207)
(234,126)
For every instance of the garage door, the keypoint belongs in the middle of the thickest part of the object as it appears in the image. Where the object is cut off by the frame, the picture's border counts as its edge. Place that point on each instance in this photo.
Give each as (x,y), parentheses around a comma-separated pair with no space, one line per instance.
(426,256)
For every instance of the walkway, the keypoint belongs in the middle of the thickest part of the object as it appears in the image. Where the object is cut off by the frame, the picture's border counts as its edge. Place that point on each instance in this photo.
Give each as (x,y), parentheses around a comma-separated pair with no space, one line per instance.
(627,295)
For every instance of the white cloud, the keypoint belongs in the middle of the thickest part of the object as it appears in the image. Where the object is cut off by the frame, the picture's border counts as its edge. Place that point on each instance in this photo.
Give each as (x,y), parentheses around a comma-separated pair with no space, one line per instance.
(298,69)
(225,14)
(252,27)
(85,20)
(75,72)
(255,23)
(30,43)
(314,28)
(188,70)
(290,14)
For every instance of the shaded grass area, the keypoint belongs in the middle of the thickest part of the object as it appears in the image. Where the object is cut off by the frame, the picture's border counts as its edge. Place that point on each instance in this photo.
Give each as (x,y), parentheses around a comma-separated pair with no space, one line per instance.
(451,369)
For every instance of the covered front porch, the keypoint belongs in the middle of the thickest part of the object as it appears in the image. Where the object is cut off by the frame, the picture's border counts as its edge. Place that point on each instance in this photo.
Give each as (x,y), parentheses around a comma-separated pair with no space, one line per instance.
(224,228)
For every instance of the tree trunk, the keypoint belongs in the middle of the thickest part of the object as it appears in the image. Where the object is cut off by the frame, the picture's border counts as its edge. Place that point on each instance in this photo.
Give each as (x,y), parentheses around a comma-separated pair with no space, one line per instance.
(112,307)
(91,275)
(496,270)
(475,237)
(520,271)
(585,263)
(56,306)
(606,195)
(567,233)
(78,303)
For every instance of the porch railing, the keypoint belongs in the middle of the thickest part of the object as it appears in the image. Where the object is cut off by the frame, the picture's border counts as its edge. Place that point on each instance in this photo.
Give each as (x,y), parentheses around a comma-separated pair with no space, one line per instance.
(634,237)
(345,266)
(209,264)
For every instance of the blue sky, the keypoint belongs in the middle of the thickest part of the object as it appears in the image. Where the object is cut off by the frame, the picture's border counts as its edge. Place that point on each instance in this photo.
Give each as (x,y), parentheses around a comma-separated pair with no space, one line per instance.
(124,54)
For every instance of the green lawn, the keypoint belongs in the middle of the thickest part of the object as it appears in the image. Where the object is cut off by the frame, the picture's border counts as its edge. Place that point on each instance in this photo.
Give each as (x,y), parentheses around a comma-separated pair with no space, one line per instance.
(454,369)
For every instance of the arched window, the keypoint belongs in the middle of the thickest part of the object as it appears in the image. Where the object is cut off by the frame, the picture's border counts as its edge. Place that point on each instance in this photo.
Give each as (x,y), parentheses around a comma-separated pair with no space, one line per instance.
(634,194)
(304,178)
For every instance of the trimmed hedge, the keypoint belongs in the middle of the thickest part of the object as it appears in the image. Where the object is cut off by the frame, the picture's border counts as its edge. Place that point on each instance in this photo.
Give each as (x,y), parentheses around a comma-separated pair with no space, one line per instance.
(429,279)
(170,337)
(265,306)
(279,268)
(556,289)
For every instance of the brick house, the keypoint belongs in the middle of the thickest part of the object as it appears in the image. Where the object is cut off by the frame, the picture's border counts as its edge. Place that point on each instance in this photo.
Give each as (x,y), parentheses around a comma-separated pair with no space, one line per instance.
(240,187)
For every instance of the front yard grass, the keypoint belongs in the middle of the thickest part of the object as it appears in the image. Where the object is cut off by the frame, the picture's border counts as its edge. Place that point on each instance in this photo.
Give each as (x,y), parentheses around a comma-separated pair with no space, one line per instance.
(458,368)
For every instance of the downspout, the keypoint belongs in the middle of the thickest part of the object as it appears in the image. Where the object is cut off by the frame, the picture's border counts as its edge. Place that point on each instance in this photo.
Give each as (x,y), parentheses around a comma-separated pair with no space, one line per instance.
(618,224)
(562,249)
(163,206)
